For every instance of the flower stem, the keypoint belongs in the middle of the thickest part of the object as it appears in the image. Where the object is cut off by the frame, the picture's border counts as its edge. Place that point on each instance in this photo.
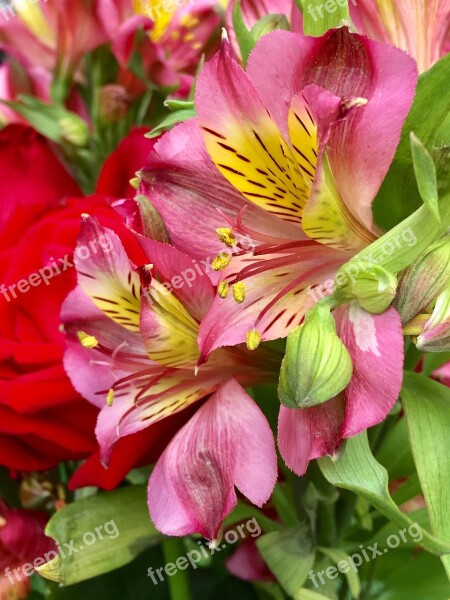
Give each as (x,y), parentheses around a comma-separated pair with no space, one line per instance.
(178,583)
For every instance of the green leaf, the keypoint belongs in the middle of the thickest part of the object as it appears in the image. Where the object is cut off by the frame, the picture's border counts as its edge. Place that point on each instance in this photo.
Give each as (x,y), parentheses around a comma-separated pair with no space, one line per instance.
(289,554)
(425,172)
(244,37)
(358,471)
(320,16)
(52,120)
(336,556)
(399,196)
(427,409)
(183,114)
(117,525)
(406,575)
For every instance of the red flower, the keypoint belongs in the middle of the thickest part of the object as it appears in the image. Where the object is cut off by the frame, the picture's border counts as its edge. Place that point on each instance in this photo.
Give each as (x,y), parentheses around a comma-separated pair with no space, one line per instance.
(42,419)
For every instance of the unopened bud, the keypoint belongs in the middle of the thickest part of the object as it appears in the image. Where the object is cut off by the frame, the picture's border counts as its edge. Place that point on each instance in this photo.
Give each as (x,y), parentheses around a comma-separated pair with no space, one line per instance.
(370,285)
(73,129)
(424,280)
(317,365)
(436,333)
(269,23)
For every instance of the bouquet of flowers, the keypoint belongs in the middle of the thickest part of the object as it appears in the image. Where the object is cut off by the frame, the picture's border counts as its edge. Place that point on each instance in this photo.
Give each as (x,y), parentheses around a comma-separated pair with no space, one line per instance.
(225,299)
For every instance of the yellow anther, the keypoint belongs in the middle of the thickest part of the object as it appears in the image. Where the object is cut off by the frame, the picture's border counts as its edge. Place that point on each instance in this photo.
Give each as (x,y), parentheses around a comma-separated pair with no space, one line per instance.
(253,339)
(86,340)
(239,292)
(226,236)
(223,289)
(135,183)
(110,397)
(189,37)
(221,261)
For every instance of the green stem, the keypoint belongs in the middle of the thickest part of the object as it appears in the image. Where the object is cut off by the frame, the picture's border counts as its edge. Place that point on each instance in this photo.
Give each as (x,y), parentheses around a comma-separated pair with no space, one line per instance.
(178,583)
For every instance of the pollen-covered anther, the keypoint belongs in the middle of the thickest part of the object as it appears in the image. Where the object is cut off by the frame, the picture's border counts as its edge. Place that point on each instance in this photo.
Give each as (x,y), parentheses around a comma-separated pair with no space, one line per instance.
(110,397)
(223,289)
(349,103)
(253,339)
(239,292)
(226,236)
(221,261)
(86,340)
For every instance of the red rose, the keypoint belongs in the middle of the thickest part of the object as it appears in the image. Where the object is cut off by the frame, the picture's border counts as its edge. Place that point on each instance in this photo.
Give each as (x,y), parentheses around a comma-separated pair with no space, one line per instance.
(42,419)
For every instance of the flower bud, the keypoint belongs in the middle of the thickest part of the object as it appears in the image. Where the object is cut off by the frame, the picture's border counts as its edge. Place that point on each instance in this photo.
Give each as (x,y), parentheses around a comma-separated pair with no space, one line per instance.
(372,286)
(73,129)
(269,23)
(317,365)
(424,280)
(436,333)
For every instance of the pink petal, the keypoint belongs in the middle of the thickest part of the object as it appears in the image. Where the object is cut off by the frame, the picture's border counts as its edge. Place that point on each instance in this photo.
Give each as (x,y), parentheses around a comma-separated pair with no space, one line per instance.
(418,26)
(375,343)
(191,489)
(308,433)
(347,65)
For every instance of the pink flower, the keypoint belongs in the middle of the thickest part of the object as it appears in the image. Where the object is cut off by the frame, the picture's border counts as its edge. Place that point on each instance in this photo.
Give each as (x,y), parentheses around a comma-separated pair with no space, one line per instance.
(132,351)
(289,152)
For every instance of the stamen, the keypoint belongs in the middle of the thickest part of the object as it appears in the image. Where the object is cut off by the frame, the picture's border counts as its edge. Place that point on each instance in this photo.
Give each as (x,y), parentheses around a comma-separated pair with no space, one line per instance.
(86,340)
(239,292)
(110,397)
(226,236)
(253,339)
(223,289)
(221,261)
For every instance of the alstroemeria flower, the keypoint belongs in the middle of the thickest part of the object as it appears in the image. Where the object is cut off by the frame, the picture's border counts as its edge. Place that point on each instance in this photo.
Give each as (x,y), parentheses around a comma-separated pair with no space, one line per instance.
(297,138)
(421,27)
(132,351)
(375,344)
(54,35)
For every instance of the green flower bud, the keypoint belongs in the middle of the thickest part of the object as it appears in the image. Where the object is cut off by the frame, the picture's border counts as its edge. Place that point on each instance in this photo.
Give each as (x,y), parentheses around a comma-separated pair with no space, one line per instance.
(370,285)
(269,23)
(424,280)
(317,365)
(436,333)
(73,129)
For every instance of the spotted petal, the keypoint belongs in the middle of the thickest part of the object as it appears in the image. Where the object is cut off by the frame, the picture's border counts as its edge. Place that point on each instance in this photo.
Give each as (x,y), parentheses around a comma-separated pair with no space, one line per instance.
(244,141)
(106,275)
